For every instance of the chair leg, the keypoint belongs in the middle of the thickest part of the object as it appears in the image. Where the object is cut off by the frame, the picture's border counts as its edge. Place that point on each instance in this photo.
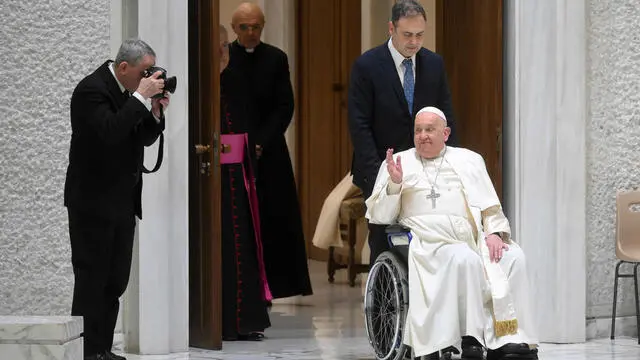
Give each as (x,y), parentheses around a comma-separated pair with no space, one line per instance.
(635,281)
(331,269)
(615,300)
(352,253)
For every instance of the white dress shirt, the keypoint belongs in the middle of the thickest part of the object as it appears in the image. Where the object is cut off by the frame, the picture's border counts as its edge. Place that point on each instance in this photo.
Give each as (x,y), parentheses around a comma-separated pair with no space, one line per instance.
(398,59)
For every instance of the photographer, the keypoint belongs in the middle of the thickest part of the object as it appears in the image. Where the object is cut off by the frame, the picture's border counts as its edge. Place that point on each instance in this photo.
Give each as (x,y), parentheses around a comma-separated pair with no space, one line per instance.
(104,183)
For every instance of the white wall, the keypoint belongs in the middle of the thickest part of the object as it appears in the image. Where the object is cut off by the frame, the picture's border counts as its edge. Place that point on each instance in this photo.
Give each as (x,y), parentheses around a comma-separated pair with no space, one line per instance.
(156,319)
(46,48)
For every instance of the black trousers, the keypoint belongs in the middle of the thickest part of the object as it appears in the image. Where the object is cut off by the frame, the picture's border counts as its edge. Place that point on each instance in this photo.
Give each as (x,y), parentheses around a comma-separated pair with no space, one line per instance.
(101,258)
(377,237)
(377,241)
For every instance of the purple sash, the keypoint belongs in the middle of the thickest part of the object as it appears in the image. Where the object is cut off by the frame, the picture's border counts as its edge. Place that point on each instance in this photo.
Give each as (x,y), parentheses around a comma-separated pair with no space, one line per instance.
(238,144)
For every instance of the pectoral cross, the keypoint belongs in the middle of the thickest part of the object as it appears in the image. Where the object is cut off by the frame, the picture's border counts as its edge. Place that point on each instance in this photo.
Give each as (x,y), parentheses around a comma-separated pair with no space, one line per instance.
(433,195)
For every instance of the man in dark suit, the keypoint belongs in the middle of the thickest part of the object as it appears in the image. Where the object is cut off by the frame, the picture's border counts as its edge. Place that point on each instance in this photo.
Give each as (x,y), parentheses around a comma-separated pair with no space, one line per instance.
(389,83)
(104,184)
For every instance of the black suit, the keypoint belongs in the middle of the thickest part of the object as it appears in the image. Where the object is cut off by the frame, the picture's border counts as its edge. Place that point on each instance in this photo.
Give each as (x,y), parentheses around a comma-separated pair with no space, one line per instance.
(102,193)
(379,116)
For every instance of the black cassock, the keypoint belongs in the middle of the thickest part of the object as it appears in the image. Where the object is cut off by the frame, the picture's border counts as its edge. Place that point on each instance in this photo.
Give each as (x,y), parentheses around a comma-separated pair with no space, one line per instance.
(244,301)
(258,92)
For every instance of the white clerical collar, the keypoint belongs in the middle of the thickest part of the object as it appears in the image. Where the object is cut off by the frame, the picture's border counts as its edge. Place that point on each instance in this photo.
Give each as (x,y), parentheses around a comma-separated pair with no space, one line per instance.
(113,72)
(248,50)
(444,149)
(399,58)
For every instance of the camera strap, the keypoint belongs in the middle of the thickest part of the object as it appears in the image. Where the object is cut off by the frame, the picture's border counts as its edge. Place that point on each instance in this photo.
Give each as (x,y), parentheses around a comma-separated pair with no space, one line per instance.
(159,160)
(160,150)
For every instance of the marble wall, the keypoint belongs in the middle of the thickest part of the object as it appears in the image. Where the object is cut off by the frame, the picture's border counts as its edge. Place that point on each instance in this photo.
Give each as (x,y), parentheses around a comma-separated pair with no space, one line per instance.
(156,304)
(46,47)
(613,137)
(544,124)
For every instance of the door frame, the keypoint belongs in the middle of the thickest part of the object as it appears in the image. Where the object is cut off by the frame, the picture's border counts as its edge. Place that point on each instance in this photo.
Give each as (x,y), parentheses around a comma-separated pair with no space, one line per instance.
(205,271)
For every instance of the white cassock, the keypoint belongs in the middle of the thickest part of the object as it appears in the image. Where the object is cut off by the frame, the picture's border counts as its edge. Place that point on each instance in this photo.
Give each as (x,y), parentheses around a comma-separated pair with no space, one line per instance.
(454,289)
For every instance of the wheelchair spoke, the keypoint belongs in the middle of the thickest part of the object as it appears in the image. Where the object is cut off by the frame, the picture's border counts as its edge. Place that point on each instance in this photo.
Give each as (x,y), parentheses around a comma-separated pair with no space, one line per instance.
(385,307)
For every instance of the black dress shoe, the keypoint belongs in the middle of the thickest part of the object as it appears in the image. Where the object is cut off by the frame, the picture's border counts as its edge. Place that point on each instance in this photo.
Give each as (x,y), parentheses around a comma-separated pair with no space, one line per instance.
(513,351)
(95,357)
(111,356)
(254,336)
(471,348)
(432,356)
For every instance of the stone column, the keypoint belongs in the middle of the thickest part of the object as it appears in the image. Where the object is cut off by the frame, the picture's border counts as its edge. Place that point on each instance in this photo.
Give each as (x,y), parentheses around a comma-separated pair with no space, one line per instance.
(156,317)
(545,167)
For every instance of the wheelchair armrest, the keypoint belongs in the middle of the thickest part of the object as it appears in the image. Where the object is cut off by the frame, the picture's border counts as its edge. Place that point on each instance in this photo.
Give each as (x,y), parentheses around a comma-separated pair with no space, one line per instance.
(396,228)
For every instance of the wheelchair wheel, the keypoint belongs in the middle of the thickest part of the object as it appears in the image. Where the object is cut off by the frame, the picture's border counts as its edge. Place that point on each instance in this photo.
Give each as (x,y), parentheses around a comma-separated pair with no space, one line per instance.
(386,301)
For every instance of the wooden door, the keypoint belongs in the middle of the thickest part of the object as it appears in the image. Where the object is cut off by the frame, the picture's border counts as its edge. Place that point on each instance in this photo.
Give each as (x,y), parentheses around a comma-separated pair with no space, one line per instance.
(469,37)
(328,43)
(205,297)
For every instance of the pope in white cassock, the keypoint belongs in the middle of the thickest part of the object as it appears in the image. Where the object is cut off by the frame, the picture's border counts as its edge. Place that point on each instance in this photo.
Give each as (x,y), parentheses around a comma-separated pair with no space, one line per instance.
(467,278)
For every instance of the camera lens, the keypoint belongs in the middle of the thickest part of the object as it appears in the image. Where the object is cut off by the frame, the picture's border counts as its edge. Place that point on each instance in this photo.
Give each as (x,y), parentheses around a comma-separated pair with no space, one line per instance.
(170,84)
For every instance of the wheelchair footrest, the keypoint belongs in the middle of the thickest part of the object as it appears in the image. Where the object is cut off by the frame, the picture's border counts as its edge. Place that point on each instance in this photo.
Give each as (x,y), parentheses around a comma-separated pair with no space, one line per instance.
(396,229)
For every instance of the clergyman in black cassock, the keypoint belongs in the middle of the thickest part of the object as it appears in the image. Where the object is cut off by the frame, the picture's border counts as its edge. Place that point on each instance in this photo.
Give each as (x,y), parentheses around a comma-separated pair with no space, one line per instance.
(259,94)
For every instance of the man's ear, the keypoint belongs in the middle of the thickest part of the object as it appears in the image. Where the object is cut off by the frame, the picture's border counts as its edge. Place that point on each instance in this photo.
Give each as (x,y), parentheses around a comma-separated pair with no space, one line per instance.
(122,67)
(391,28)
(447,132)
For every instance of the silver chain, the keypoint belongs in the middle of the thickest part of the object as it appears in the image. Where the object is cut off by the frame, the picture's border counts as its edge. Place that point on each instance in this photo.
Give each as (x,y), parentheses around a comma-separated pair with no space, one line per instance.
(424,168)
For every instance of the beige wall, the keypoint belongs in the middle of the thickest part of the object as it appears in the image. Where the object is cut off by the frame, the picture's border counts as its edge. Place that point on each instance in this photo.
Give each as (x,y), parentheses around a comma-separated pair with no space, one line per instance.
(226,10)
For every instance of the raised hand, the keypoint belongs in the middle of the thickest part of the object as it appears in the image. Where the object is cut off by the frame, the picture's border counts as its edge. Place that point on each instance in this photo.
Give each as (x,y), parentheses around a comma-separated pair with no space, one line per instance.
(394,167)
(151,85)
(156,103)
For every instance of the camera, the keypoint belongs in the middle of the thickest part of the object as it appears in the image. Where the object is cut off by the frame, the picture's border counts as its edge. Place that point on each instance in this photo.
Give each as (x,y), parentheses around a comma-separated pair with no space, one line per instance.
(169,82)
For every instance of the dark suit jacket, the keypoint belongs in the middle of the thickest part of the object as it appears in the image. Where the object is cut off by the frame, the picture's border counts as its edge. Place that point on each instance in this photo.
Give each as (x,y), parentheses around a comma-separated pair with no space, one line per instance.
(108,136)
(378,112)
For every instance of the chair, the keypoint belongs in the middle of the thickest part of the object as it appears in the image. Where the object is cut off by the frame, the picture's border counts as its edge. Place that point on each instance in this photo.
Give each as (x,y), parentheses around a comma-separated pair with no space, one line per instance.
(351,210)
(627,247)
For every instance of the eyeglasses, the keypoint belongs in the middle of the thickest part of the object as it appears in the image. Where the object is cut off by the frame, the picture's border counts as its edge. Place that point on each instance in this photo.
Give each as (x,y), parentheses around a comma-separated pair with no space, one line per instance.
(254,27)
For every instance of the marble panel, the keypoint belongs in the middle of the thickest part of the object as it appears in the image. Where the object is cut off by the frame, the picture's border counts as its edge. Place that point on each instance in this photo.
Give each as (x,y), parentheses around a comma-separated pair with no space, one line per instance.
(71,350)
(34,329)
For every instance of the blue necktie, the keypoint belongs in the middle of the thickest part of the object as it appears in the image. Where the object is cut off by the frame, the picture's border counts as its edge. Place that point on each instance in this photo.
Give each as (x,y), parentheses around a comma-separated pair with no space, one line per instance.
(409,83)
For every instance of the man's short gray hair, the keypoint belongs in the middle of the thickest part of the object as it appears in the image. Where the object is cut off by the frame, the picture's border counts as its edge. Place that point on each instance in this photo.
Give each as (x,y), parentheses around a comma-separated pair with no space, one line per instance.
(406,8)
(132,51)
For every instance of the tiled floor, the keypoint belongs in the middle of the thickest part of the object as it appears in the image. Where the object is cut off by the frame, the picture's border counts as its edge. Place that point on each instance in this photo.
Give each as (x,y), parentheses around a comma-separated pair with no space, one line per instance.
(329,326)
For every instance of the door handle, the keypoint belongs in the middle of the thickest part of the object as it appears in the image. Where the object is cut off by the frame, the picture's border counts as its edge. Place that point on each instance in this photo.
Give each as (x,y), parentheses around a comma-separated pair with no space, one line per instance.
(205,168)
(202,149)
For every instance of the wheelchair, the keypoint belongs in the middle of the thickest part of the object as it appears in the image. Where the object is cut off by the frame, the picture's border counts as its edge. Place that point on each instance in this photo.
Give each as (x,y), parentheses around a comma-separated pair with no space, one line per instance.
(386,299)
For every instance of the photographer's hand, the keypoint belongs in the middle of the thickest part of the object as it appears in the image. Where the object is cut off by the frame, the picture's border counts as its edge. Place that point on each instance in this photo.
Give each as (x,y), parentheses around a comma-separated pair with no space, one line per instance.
(151,85)
(157,103)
